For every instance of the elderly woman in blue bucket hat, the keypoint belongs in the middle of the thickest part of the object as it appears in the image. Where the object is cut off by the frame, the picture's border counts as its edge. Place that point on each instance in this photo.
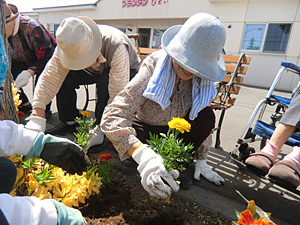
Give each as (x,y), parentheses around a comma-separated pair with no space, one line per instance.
(177,81)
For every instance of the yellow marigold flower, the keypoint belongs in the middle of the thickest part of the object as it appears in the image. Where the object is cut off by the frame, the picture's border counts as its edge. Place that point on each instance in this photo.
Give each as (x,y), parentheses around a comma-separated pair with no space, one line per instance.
(20,176)
(57,192)
(67,201)
(180,124)
(86,114)
(13,193)
(14,158)
(16,96)
(81,199)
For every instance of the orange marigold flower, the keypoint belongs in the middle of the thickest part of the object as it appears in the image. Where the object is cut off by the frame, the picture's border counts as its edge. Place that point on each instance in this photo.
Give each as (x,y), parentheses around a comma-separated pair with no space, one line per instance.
(180,124)
(251,206)
(105,157)
(247,219)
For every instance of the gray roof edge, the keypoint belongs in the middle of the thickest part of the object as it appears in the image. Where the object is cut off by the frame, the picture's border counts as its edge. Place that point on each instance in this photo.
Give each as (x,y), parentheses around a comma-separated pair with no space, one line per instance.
(92,5)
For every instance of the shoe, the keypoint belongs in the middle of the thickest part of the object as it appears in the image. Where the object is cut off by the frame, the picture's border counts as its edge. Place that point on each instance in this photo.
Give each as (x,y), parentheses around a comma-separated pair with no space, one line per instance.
(260,163)
(285,174)
(185,181)
(129,166)
(99,148)
(25,107)
(62,127)
(48,114)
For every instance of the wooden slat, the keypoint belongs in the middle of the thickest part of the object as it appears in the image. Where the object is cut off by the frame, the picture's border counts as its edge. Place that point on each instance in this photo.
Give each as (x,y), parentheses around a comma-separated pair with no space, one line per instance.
(147,51)
(230,69)
(237,80)
(235,58)
(134,36)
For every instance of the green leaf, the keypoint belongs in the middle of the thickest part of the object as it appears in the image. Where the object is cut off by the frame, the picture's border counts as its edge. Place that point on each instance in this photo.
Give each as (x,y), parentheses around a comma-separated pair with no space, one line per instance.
(238,215)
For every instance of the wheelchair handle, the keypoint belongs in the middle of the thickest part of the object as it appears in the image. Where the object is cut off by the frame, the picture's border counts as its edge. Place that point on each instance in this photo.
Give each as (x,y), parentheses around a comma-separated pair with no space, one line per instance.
(291,67)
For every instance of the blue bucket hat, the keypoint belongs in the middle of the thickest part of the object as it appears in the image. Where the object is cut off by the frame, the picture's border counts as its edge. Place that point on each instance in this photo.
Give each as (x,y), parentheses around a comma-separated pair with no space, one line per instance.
(197,45)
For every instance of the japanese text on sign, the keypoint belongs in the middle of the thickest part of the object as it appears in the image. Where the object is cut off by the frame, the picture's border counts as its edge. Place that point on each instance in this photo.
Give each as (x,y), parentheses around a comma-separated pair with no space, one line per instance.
(138,3)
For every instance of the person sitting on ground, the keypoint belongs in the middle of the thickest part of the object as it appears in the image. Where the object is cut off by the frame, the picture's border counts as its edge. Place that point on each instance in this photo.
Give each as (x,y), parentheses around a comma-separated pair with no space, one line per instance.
(106,54)
(15,139)
(31,45)
(285,172)
(176,81)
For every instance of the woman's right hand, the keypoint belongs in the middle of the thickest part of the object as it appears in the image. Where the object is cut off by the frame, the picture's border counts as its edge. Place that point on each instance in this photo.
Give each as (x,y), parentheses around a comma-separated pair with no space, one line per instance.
(156,180)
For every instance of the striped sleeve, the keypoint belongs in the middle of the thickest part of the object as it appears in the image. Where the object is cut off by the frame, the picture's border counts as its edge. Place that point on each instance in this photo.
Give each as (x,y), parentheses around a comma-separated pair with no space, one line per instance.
(119,72)
(49,82)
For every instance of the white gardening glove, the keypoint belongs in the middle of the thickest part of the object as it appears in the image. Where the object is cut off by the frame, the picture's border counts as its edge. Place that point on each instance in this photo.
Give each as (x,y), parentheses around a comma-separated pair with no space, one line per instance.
(97,137)
(22,79)
(36,123)
(201,168)
(153,172)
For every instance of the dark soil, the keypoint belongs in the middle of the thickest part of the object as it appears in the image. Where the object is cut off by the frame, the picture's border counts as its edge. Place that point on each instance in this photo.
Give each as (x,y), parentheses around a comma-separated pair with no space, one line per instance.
(124,201)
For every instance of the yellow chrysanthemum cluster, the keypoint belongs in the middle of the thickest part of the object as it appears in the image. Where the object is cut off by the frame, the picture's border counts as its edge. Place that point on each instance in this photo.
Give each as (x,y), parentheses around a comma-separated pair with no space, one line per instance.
(16,96)
(68,189)
(180,124)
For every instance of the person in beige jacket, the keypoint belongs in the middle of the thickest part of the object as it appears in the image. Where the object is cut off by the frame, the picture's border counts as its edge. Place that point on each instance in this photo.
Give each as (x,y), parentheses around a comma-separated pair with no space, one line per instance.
(86,53)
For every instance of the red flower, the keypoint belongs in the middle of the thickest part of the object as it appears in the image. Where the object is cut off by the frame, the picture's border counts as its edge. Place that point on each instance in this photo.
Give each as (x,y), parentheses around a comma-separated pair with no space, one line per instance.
(105,157)
(20,114)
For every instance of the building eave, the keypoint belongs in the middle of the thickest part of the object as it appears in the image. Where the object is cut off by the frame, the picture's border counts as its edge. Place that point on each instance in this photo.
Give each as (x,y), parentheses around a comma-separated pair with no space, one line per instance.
(66,8)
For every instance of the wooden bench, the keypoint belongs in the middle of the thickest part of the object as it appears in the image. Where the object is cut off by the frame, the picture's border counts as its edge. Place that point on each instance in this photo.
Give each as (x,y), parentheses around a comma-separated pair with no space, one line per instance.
(229,87)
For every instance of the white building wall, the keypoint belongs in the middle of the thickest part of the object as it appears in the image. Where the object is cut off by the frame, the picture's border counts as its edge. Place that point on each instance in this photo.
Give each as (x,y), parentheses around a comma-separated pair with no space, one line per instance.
(234,15)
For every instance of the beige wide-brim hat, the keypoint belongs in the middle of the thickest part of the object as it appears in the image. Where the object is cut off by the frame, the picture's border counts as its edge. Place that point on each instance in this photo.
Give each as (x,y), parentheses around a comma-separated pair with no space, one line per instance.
(11,12)
(197,45)
(79,42)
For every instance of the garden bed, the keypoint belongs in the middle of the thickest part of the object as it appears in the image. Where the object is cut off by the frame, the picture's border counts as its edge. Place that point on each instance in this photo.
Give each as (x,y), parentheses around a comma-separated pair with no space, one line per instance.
(124,201)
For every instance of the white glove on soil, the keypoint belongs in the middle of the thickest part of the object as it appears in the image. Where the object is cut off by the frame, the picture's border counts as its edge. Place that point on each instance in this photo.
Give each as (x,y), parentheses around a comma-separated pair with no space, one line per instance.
(22,79)
(97,137)
(201,168)
(36,123)
(153,172)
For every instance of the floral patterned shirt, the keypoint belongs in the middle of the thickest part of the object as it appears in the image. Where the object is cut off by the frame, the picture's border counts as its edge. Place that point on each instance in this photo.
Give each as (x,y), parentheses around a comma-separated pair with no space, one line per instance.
(130,103)
(33,44)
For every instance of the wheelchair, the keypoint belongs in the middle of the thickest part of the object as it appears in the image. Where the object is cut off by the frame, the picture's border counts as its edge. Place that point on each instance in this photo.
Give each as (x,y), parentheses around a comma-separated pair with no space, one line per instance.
(257,130)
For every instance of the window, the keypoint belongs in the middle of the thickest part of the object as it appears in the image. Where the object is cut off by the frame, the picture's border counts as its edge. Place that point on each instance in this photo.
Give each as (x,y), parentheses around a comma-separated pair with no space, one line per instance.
(277,38)
(144,39)
(123,30)
(157,34)
(253,36)
(150,37)
(52,28)
(266,38)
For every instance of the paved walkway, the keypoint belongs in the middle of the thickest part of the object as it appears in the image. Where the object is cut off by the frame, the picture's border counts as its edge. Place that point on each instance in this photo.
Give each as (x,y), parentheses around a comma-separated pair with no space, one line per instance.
(240,186)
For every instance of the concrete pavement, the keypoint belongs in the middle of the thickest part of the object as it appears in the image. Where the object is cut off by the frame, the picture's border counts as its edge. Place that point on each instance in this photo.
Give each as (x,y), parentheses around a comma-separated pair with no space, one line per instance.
(240,186)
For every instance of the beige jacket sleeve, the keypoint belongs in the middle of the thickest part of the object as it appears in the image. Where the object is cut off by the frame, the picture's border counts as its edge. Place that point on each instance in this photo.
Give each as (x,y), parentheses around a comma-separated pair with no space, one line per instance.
(119,72)
(49,82)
